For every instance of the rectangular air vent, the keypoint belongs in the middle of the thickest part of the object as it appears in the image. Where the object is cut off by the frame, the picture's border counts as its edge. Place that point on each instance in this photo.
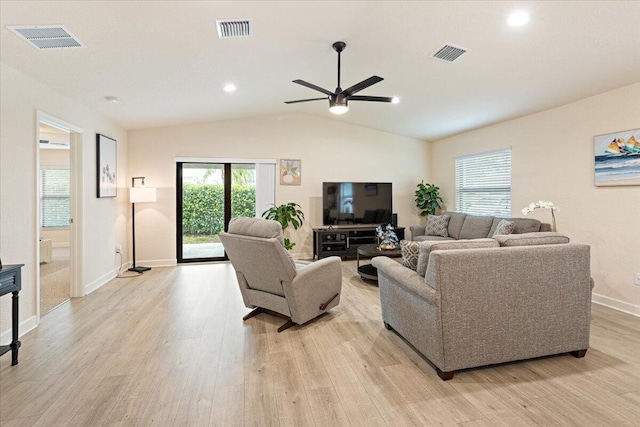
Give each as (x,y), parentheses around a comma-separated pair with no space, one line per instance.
(47,36)
(236,28)
(449,53)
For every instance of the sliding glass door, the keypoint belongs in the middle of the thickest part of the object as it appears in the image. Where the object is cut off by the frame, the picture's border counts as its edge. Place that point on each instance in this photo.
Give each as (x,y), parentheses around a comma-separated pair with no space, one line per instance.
(209,195)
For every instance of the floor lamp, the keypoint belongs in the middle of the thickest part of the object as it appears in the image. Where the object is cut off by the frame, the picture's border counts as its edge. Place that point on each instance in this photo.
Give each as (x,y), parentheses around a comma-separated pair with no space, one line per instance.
(139,195)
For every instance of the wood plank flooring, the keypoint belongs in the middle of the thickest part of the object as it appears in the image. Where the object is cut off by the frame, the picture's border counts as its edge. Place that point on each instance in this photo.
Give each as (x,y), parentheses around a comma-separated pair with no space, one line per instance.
(170,348)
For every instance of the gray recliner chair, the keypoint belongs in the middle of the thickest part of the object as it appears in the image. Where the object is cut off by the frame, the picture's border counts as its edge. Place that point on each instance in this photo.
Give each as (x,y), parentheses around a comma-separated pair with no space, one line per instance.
(270,280)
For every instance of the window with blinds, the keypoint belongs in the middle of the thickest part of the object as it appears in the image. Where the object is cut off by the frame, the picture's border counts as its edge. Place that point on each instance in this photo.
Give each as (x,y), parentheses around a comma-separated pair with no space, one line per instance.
(55,192)
(483,183)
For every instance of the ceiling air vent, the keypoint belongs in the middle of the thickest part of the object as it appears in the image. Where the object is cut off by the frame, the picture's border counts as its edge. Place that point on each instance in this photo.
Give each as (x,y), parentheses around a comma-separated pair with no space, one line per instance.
(236,28)
(47,36)
(449,53)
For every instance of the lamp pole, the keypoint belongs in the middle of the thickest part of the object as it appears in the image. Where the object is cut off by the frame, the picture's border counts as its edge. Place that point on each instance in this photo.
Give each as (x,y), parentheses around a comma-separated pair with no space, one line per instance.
(133,229)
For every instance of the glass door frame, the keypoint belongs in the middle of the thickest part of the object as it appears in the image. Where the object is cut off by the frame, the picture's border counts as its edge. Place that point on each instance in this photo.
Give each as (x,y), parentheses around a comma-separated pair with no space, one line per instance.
(227,209)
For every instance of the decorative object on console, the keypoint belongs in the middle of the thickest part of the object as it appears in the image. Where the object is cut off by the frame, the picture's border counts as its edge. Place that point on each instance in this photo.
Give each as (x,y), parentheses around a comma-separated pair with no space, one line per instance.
(287,214)
(290,173)
(544,204)
(428,198)
(617,158)
(139,195)
(106,154)
(387,238)
(437,225)
(504,227)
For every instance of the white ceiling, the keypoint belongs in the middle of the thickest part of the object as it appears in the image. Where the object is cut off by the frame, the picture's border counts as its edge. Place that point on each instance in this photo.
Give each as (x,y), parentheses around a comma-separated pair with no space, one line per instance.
(164,60)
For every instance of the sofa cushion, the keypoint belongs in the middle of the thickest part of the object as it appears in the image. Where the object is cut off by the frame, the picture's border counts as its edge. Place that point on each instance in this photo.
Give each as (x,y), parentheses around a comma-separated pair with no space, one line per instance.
(522,225)
(504,227)
(530,239)
(410,252)
(431,238)
(427,247)
(525,225)
(437,225)
(455,223)
(476,227)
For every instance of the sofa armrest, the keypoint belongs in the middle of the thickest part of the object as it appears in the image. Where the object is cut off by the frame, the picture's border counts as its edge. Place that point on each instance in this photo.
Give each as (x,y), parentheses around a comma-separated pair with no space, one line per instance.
(416,230)
(404,277)
(314,284)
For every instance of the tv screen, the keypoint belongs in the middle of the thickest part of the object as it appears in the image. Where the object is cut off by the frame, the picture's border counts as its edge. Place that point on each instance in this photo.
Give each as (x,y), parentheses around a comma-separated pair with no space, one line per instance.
(346,203)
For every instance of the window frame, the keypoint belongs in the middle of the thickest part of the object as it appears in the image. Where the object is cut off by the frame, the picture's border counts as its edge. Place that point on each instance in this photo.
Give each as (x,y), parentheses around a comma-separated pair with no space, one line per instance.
(487,196)
(43,197)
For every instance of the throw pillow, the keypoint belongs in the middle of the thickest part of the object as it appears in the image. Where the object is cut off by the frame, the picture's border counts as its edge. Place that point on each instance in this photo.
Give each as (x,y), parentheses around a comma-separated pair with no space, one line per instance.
(437,225)
(504,227)
(410,251)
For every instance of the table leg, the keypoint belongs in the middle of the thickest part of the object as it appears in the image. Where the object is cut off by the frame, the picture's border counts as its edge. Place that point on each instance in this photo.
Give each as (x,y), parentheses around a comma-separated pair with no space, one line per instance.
(15,343)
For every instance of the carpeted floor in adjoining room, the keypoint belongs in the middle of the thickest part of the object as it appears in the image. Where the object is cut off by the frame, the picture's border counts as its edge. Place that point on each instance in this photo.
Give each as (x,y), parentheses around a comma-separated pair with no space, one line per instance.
(55,279)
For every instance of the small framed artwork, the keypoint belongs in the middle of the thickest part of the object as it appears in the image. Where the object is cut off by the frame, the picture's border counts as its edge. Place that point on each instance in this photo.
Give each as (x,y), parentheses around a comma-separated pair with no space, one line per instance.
(617,158)
(290,172)
(106,166)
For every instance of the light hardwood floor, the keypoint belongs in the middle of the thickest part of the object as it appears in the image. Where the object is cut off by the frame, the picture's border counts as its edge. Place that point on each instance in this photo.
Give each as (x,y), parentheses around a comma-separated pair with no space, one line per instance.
(170,348)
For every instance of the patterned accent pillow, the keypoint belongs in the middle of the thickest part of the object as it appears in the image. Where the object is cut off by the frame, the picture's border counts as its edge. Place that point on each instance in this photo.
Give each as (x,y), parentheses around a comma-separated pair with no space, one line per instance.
(437,225)
(410,251)
(504,227)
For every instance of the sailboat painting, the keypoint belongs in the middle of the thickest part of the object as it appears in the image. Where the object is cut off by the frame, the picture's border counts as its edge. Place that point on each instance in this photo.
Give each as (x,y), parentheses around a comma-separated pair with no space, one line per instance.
(617,158)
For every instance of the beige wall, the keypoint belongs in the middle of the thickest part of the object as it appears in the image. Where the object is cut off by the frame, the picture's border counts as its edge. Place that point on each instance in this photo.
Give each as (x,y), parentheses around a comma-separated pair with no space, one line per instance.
(553,159)
(330,151)
(104,219)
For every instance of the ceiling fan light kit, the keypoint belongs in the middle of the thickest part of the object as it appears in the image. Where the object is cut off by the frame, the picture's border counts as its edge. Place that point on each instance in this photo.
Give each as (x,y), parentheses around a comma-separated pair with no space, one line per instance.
(339,99)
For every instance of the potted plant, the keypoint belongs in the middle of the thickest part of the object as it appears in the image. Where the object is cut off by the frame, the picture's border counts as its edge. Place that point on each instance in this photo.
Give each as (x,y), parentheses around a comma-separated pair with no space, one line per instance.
(427,198)
(287,214)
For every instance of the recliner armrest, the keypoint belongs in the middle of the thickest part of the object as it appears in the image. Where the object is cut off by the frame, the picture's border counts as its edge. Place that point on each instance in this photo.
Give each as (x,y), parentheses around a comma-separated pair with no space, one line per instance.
(313,285)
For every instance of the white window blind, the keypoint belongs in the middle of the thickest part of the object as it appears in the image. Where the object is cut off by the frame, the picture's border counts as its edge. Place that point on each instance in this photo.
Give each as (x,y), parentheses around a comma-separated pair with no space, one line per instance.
(483,183)
(54,197)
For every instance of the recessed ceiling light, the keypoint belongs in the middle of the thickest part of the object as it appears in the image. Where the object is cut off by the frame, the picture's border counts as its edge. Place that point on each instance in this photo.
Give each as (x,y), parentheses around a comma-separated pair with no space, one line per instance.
(229,88)
(518,19)
(395,100)
(112,99)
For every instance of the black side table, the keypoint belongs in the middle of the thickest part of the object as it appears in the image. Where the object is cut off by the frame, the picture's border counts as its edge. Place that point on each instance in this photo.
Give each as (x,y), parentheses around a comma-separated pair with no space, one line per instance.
(10,281)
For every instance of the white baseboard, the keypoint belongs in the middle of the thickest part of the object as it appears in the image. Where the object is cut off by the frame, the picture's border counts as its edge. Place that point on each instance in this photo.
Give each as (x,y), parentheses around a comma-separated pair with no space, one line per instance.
(101,281)
(158,262)
(24,327)
(616,304)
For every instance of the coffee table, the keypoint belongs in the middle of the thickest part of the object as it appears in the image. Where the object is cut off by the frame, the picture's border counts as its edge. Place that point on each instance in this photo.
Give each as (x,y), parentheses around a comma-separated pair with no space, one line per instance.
(368,271)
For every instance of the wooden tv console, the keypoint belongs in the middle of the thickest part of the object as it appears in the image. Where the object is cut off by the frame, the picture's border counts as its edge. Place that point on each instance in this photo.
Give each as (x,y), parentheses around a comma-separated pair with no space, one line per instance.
(343,240)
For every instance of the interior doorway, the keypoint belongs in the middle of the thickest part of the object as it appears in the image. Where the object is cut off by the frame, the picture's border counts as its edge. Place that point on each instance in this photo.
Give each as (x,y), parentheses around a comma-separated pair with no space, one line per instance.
(58,165)
(55,203)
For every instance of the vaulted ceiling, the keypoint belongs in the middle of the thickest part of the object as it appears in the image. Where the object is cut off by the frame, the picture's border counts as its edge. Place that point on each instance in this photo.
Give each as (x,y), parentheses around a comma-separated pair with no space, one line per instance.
(166,64)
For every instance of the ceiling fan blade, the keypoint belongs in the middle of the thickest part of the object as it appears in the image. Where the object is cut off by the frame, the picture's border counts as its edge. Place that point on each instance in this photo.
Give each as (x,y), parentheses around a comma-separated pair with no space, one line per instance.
(362,85)
(371,98)
(312,86)
(305,100)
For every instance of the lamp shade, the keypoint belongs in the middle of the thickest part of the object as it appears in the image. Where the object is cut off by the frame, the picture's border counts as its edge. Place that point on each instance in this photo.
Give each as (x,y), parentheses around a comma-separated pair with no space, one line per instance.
(142,194)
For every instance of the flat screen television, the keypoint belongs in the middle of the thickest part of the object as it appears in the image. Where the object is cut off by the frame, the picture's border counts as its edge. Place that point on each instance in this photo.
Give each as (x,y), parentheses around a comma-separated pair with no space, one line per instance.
(346,203)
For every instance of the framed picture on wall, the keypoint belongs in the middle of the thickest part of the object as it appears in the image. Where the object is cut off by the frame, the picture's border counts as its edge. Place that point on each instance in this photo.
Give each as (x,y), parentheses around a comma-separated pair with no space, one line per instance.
(106,153)
(617,158)
(290,172)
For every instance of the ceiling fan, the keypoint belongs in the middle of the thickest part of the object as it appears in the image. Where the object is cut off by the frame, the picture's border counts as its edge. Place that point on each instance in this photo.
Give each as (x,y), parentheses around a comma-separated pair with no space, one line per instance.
(339,100)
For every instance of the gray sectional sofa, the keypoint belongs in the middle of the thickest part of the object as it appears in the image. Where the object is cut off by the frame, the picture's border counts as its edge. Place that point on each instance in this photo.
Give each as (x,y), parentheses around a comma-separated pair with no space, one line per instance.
(488,301)
(463,226)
